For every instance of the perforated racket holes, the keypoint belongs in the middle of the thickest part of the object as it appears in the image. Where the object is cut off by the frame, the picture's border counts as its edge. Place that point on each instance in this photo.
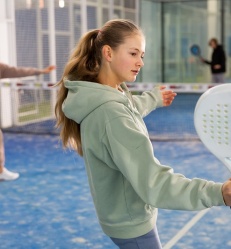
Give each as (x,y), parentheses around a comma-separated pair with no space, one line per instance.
(216,124)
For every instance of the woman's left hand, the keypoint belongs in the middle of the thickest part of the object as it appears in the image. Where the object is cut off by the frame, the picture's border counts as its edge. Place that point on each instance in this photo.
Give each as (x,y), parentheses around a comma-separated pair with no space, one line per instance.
(167,96)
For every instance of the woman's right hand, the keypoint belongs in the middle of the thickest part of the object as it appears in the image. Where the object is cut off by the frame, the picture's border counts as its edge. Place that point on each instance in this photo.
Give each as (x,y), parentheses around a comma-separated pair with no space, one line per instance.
(167,96)
(226,192)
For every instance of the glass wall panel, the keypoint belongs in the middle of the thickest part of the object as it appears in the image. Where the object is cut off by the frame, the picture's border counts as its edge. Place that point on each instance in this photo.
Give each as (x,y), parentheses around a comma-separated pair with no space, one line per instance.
(184,24)
(150,23)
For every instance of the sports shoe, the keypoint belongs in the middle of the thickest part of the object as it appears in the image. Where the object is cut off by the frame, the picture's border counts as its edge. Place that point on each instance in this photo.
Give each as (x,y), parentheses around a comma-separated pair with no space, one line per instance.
(7,175)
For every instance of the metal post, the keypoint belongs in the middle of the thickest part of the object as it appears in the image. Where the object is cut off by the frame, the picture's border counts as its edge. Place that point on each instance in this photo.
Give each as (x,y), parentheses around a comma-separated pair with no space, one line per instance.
(83,11)
(39,39)
(111,9)
(99,19)
(52,48)
(51,32)
(138,12)
(71,24)
(162,41)
(223,22)
(7,55)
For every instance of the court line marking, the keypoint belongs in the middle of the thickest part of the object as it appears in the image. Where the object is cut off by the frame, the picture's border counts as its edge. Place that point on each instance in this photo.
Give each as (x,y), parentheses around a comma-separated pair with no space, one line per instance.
(185,229)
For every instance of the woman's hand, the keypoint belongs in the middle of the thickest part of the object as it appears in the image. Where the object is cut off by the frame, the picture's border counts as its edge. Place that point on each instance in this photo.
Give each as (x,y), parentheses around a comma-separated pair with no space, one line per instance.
(167,96)
(226,192)
(48,69)
(217,66)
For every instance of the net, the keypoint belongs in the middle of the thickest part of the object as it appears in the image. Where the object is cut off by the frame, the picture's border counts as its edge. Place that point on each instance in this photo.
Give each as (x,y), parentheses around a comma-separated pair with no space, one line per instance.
(28,107)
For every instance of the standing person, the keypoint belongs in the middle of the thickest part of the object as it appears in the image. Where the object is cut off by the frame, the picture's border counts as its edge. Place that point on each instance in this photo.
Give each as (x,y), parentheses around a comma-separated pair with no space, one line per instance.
(218,62)
(103,122)
(7,71)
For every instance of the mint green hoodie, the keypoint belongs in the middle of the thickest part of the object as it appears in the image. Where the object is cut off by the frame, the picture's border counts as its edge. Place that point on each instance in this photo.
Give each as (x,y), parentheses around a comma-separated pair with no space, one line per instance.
(127,182)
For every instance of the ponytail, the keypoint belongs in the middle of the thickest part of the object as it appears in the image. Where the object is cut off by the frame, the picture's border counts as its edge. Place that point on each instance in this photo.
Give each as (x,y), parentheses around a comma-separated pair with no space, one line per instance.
(85,60)
(84,65)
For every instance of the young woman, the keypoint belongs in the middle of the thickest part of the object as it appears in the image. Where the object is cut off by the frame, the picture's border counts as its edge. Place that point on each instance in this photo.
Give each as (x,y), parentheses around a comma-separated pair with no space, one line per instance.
(103,122)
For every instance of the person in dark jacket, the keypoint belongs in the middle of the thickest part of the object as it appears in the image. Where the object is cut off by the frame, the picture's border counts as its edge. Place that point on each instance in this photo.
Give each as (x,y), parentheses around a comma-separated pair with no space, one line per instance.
(218,62)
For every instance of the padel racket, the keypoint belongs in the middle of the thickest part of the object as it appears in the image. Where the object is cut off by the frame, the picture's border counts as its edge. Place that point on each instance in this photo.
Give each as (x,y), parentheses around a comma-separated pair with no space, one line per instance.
(195,50)
(212,120)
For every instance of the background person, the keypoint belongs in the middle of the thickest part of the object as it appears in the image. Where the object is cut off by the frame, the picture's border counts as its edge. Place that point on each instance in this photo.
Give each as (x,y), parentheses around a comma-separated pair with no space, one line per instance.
(7,71)
(217,63)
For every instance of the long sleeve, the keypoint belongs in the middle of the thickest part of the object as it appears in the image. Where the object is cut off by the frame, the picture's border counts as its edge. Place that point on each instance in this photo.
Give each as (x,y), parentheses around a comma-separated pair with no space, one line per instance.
(207,62)
(148,101)
(14,72)
(156,184)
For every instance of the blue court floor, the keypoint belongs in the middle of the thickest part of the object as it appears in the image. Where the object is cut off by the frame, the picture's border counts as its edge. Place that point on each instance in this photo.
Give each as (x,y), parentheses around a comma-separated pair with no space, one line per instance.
(50,207)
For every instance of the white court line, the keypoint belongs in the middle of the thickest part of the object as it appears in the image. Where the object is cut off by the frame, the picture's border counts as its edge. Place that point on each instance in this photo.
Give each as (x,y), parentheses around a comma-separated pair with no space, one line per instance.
(185,229)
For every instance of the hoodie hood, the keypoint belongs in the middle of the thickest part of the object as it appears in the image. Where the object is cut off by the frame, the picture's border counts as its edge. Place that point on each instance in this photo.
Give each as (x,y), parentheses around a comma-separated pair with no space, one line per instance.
(84,97)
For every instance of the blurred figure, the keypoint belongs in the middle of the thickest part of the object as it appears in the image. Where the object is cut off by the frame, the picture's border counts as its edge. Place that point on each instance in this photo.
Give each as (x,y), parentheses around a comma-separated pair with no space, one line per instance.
(218,62)
(7,71)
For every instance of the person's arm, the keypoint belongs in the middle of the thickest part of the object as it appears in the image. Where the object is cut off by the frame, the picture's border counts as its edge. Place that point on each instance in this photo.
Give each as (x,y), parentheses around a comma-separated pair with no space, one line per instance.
(205,61)
(7,71)
(150,100)
(47,69)
(156,184)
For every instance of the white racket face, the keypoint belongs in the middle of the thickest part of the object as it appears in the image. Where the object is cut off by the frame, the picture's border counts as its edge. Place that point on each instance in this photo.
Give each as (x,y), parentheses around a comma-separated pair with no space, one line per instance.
(212,119)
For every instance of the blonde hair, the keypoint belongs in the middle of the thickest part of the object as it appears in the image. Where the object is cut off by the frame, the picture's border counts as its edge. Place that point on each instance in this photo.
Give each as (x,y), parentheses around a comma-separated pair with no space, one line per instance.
(84,65)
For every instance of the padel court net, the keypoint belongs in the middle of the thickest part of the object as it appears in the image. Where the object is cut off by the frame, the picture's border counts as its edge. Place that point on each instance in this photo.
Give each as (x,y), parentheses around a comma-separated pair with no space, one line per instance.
(28,107)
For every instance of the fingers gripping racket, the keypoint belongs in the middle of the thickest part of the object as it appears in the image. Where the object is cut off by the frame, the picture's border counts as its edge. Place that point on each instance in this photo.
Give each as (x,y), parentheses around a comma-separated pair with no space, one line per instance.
(212,119)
